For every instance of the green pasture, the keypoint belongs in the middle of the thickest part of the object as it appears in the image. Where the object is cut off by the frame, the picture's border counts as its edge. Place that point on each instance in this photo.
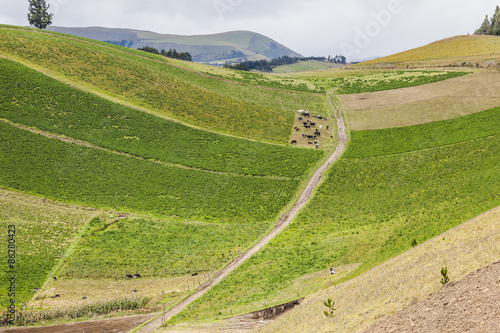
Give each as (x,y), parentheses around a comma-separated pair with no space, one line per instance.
(404,139)
(47,104)
(368,210)
(158,247)
(342,82)
(35,164)
(156,84)
(42,236)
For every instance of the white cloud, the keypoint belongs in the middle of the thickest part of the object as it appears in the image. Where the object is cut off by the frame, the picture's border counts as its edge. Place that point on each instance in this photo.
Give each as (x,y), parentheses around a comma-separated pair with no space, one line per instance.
(310,27)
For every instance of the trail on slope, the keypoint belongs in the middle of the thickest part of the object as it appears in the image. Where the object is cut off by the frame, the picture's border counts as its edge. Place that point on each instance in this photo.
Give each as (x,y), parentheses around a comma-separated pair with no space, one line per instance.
(282,224)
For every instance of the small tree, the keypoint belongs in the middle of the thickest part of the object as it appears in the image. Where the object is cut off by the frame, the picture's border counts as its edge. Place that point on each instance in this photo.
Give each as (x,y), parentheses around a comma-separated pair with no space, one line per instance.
(444,273)
(331,308)
(38,15)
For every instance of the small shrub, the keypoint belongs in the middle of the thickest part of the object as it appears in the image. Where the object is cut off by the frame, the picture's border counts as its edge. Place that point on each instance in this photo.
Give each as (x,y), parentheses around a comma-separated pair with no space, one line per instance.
(444,273)
(331,308)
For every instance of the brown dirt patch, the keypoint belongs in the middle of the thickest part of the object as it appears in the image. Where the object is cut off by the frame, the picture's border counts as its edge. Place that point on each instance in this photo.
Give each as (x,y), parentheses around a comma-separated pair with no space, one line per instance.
(116,325)
(423,104)
(469,305)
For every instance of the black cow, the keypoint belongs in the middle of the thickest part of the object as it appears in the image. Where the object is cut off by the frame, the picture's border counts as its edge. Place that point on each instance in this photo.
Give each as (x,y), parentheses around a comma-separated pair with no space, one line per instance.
(305,123)
(305,114)
(84,297)
(304,135)
(136,276)
(301,118)
(194,274)
(294,142)
(307,126)
(319,117)
(134,291)
(129,276)
(313,124)
(54,278)
(310,136)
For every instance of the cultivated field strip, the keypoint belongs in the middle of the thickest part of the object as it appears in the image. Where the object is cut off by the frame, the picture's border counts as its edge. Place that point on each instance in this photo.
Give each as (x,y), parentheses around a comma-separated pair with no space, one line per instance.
(146,83)
(282,224)
(48,105)
(35,164)
(88,145)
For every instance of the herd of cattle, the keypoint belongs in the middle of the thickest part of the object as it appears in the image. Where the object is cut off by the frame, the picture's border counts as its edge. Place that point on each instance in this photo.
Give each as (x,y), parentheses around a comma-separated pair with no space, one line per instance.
(308,124)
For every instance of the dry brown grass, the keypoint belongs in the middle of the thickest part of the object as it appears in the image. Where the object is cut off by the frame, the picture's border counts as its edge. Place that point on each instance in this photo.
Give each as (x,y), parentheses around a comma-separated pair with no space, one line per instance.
(400,281)
(423,104)
(454,51)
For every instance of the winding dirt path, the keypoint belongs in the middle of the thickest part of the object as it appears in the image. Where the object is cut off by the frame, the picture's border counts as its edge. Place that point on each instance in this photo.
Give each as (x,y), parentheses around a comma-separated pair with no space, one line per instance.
(282,224)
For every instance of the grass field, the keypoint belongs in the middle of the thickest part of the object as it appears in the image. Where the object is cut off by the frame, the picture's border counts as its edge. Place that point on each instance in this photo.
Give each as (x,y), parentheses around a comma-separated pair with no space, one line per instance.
(152,83)
(59,170)
(387,141)
(458,51)
(44,232)
(423,104)
(366,211)
(343,82)
(371,296)
(305,66)
(46,104)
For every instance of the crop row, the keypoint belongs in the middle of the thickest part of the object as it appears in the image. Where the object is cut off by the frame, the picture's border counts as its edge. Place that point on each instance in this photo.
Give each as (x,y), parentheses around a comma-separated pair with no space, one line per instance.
(367,211)
(35,164)
(49,105)
(30,317)
(404,139)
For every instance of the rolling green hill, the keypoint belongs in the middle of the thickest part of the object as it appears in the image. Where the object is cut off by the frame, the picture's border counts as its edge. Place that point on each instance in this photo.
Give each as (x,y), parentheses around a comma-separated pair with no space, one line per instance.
(157,85)
(368,210)
(218,48)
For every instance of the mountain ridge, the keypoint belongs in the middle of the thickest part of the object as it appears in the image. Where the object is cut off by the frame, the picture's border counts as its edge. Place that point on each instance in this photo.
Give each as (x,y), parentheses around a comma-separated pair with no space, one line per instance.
(208,48)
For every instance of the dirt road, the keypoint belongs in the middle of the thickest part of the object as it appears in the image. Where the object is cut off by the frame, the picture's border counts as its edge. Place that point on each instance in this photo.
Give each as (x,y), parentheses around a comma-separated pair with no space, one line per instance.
(282,224)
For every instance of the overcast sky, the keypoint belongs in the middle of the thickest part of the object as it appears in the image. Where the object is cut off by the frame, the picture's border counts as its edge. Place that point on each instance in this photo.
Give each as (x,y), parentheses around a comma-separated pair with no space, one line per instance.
(358,29)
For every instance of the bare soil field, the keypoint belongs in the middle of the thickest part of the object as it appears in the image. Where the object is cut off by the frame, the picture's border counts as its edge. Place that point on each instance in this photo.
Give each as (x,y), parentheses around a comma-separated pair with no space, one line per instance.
(438,101)
(469,305)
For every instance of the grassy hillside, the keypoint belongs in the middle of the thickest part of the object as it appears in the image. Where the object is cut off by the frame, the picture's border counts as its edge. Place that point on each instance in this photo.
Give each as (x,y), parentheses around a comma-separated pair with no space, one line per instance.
(59,170)
(43,233)
(151,83)
(459,50)
(48,105)
(368,210)
(372,296)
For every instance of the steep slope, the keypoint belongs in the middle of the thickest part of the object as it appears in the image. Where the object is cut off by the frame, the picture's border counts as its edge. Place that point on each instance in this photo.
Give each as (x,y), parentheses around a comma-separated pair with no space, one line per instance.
(474,51)
(469,305)
(157,85)
(204,48)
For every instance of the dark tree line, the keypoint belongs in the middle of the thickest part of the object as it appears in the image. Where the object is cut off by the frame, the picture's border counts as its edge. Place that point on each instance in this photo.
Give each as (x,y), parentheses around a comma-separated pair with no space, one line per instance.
(490,26)
(268,65)
(169,54)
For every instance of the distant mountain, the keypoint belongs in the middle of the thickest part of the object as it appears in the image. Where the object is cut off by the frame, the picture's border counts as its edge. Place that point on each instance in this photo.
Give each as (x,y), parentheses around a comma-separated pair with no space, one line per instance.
(216,48)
